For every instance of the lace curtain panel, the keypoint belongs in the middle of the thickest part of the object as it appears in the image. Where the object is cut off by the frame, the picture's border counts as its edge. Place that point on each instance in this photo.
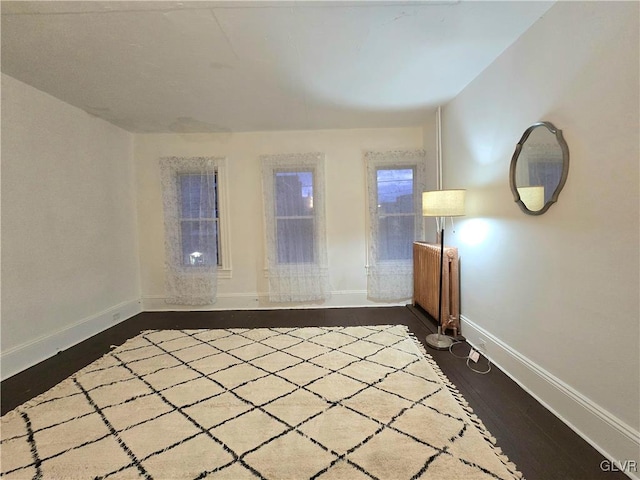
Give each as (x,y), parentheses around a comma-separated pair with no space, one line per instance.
(191,221)
(395,181)
(293,187)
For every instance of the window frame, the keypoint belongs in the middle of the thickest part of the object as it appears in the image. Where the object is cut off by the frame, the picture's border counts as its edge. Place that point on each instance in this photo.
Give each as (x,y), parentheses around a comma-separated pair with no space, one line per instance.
(392,160)
(216,166)
(215,220)
(225,269)
(304,162)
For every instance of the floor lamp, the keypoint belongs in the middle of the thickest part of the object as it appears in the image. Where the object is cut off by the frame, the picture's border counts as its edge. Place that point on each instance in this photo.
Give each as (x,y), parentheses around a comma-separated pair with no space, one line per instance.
(442,204)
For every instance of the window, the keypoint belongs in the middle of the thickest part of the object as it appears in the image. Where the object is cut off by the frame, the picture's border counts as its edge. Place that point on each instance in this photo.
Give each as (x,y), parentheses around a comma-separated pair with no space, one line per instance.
(396,213)
(296,256)
(199,220)
(194,221)
(395,181)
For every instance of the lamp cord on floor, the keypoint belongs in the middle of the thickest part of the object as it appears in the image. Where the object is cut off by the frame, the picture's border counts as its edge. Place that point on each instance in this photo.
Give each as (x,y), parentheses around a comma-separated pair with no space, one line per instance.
(481,372)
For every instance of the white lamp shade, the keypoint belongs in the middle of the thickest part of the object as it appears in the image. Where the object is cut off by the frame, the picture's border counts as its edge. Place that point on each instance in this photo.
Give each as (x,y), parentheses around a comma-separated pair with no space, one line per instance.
(443,203)
(532,197)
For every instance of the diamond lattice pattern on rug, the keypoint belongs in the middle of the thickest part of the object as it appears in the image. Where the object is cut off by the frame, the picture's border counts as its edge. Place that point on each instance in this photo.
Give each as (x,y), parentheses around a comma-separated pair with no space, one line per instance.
(268,403)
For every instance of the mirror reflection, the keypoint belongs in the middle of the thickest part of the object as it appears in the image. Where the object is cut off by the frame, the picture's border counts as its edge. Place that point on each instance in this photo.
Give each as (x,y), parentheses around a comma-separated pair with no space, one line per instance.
(539,168)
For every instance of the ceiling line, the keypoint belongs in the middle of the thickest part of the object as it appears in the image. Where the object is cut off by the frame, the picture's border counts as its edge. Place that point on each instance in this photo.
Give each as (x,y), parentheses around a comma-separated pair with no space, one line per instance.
(243,5)
(224,34)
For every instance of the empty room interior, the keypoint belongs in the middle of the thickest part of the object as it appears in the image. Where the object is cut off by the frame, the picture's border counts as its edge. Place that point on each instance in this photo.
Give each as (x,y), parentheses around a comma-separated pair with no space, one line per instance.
(238,166)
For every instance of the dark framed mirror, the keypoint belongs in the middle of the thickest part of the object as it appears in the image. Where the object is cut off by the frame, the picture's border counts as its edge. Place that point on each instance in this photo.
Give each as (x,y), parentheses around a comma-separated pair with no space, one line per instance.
(539,168)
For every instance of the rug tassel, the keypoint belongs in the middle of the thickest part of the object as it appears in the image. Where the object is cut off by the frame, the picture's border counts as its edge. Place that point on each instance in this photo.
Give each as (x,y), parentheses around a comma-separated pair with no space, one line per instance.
(473,418)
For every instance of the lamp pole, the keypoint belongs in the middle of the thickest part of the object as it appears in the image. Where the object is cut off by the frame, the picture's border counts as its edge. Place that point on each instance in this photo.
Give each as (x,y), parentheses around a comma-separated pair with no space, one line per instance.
(442,204)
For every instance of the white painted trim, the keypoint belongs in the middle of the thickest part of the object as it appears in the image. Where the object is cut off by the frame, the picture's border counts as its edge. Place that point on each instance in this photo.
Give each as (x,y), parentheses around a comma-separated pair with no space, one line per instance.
(224,208)
(611,436)
(26,355)
(224,273)
(260,301)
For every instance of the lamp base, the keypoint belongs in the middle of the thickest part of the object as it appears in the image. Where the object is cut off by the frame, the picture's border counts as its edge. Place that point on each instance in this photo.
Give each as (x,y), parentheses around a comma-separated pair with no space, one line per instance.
(438,341)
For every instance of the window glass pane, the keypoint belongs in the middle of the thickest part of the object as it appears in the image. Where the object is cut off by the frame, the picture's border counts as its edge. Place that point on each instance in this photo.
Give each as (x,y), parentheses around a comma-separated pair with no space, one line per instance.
(295,240)
(294,194)
(197,195)
(395,237)
(395,190)
(199,242)
(396,227)
(198,201)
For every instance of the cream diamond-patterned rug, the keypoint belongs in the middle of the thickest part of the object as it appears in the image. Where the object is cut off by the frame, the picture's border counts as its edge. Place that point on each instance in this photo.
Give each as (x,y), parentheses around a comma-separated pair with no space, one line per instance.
(269,403)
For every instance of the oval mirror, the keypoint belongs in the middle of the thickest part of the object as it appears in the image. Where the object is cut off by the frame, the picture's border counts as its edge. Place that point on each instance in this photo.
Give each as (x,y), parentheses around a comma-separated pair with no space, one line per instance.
(539,168)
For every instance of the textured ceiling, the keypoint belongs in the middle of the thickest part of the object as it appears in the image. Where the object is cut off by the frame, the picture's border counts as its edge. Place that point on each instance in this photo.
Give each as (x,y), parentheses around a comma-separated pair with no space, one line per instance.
(251,66)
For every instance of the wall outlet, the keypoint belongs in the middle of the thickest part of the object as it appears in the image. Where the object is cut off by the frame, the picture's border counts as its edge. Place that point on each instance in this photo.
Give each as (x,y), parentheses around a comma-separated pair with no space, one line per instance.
(482,344)
(116,316)
(473,355)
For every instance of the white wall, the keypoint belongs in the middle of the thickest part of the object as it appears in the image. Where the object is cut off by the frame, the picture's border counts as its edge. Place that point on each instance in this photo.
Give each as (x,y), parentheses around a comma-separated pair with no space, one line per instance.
(345,208)
(557,296)
(69,247)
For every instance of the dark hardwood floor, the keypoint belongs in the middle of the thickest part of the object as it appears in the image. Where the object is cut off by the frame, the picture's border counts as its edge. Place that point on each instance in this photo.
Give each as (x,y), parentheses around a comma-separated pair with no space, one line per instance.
(540,445)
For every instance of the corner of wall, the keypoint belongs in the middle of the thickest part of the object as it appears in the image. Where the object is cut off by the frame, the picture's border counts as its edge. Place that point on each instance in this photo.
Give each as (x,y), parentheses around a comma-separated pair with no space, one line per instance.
(26,355)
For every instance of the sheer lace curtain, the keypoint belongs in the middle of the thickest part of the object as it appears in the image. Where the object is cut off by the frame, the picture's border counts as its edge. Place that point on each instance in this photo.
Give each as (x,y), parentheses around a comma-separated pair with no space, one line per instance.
(293,187)
(395,181)
(189,189)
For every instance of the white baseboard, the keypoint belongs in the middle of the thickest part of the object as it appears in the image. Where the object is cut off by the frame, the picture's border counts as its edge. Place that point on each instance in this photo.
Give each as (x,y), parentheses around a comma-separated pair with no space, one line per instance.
(23,356)
(260,301)
(612,437)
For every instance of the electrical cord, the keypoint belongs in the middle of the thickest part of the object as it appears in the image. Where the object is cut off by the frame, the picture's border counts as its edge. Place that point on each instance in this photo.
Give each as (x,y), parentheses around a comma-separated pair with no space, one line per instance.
(481,372)
(457,342)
